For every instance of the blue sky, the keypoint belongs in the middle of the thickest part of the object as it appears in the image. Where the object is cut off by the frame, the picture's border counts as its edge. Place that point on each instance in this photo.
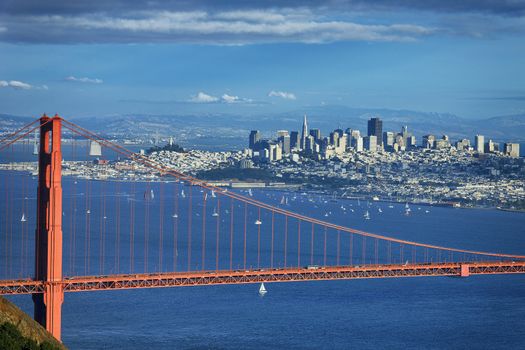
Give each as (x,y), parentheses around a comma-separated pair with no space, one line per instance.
(253,57)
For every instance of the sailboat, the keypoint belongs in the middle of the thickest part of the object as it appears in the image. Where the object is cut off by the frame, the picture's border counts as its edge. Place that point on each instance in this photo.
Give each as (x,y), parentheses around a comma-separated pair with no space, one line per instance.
(175,215)
(262,290)
(258,222)
(407,209)
(182,194)
(215,212)
(283,200)
(213,194)
(380,210)
(88,211)
(250,192)
(23,219)
(367,215)
(149,195)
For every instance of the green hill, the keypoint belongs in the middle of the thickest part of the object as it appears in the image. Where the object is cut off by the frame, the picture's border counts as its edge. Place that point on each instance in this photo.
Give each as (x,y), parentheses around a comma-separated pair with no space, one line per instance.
(19,331)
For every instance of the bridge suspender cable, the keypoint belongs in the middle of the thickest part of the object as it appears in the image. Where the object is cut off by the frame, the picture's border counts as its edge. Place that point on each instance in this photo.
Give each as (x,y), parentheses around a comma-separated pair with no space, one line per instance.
(193,181)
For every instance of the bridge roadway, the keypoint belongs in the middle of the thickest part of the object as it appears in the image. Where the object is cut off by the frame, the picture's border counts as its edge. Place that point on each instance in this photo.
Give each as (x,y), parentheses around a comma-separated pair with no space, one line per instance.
(202,278)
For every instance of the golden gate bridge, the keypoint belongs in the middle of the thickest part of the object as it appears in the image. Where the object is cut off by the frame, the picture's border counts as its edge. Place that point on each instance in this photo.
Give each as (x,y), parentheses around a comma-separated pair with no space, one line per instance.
(176,230)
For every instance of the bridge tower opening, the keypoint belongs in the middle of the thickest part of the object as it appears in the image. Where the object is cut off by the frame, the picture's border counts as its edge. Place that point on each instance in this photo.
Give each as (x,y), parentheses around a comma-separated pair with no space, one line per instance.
(48,235)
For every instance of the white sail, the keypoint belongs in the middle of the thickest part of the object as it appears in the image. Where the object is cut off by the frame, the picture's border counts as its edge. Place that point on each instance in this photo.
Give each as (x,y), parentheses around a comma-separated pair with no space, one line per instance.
(250,192)
(182,194)
(213,194)
(262,289)
(23,219)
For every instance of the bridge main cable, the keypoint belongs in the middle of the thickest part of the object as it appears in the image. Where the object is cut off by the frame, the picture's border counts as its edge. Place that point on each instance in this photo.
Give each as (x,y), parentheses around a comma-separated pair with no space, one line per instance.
(194,181)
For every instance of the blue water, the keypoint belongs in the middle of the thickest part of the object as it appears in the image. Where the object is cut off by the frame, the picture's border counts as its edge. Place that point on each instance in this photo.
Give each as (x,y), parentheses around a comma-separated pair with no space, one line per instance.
(479,312)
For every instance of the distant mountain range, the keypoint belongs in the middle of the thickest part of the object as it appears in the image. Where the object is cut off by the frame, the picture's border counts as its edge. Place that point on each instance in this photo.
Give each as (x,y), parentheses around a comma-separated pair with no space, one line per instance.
(226,130)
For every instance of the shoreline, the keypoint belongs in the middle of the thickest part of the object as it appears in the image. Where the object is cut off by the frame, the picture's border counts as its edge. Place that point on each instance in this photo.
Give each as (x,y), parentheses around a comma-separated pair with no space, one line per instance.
(278,186)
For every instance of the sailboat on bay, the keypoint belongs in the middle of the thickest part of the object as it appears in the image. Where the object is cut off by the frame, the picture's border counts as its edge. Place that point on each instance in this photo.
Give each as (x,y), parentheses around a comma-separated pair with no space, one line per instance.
(262,290)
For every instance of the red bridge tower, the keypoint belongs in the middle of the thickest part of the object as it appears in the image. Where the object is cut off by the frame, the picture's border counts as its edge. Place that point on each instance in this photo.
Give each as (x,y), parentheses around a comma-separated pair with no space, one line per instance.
(48,247)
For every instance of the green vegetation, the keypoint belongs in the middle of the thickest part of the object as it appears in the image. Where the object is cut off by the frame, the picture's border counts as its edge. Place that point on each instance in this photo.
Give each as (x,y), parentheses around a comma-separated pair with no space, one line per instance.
(233,173)
(12,339)
(172,148)
(19,331)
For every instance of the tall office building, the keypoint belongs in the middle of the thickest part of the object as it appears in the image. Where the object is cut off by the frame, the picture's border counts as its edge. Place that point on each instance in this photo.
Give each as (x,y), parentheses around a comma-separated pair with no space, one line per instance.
(429,141)
(310,144)
(281,133)
(294,139)
(316,133)
(334,138)
(375,128)
(304,133)
(491,146)
(512,149)
(358,144)
(479,142)
(370,143)
(284,141)
(255,136)
(388,139)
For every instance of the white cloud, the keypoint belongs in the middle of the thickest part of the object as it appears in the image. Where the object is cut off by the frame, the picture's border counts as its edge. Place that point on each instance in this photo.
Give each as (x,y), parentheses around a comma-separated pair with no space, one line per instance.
(84,80)
(227,27)
(282,94)
(202,97)
(230,99)
(15,84)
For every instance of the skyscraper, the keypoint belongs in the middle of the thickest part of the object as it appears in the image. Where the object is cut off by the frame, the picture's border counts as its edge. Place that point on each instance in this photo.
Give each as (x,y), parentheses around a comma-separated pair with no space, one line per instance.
(479,143)
(255,136)
(284,141)
(304,133)
(316,133)
(512,149)
(294,139)
(370,143)
(375,128)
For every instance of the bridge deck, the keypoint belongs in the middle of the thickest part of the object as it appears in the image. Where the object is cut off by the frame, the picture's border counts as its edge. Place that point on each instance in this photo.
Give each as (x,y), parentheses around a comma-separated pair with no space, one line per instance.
(179,279)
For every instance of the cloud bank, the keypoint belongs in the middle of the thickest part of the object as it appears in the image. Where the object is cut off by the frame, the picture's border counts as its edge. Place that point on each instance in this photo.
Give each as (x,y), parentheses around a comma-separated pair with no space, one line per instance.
(282,94)
(203,97)
(84,80)
(19,85)
(223,27)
